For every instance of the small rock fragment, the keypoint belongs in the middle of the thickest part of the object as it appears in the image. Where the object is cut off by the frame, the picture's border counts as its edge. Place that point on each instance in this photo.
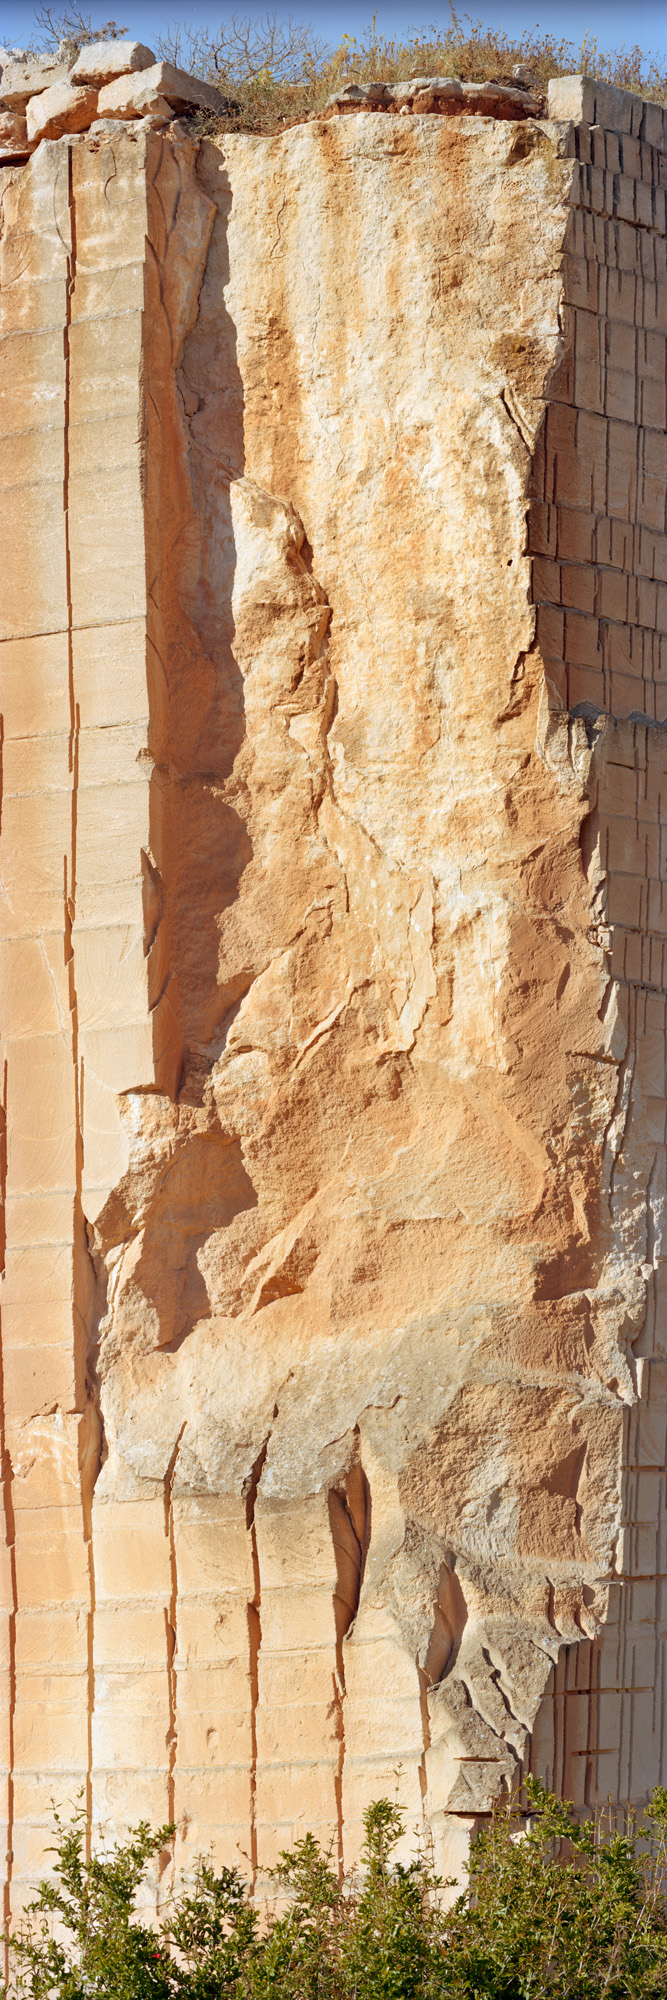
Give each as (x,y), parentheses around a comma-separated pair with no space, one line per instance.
(444,93)
(500,100)
(358,97)
(13,136)
(152,89)
(402,92)
(61,109)
(104,130)
(526,79)
(22,79)
(375,93)
(102,62)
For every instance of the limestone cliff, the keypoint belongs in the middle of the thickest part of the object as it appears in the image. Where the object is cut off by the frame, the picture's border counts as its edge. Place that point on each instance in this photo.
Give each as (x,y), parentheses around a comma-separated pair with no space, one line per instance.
(334,582)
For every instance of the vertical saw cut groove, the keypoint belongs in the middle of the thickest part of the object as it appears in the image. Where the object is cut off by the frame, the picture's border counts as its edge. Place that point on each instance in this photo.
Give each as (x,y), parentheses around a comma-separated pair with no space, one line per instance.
(10,1533)
(80,1251)
(254,1644)
(171,1627)
(90,1671)
(10,1539)
(339,1715)
(70,282)
(348,1521)
(426,1731)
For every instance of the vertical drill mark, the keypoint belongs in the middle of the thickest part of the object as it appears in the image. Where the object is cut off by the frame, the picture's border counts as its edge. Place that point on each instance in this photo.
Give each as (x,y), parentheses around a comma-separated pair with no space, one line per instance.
(170,1619)
(254,1644)
(349,1521)
(10,1540)
(89,1465)
(424,1684)
(347,1554)
(90,1674)
(339,1731)
(6,1475)
(70,281)
(80,1245)
(3,1172)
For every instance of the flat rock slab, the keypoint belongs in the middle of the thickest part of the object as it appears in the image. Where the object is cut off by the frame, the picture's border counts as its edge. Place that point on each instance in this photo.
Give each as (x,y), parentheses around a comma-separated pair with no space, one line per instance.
(19,81)
(134,96)
(13,136)
(101,62)
(61,109)
(441,94)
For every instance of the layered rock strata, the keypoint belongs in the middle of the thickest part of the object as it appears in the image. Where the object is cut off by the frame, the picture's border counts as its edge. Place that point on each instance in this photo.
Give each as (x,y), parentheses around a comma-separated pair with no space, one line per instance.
(333,1350)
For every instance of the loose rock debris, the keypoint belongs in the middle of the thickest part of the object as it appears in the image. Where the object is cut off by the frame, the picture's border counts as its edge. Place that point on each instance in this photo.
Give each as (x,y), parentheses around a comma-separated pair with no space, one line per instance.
(43,99)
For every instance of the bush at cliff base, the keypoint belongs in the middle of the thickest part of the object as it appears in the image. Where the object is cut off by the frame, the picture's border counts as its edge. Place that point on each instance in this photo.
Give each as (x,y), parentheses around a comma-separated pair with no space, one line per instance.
(552,1906)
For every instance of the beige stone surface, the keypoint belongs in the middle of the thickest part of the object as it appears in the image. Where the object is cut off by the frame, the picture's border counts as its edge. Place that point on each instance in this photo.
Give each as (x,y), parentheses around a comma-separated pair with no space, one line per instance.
(100,62)
(22,79)
(332,970)
(442,94)
(151,89)
(13,135)
(62,108)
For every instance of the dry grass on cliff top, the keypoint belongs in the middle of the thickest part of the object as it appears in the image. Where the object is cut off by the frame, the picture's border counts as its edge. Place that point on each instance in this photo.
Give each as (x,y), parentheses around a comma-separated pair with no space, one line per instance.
(278,72)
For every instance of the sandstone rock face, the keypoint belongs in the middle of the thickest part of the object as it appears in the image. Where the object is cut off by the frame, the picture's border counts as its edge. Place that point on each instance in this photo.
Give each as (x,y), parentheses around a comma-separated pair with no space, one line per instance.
(334,1364)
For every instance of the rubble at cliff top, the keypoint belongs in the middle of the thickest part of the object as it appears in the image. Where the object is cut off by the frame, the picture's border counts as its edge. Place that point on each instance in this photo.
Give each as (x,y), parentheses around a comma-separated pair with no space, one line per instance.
(42,97)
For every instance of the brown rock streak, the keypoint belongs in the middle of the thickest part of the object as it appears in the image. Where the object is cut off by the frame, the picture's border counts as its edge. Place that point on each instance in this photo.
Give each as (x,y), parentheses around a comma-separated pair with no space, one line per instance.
(332,654)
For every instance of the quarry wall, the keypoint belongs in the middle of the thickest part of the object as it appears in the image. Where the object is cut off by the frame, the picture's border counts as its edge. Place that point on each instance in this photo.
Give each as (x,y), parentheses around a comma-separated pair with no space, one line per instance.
(334,608)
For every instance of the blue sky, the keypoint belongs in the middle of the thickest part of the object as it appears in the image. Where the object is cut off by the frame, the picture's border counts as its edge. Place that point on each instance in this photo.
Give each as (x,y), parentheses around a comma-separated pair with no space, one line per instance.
(614,24)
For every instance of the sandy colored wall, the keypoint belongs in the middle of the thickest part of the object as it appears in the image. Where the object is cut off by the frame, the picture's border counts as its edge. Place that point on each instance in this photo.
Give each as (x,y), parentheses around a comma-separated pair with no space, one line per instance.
(597,526)
(332,980)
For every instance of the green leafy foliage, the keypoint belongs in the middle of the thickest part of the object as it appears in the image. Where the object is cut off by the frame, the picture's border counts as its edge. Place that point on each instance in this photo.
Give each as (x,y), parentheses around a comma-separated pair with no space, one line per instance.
(80,1936)
(556,1908)
(212,1936)
(569,1908)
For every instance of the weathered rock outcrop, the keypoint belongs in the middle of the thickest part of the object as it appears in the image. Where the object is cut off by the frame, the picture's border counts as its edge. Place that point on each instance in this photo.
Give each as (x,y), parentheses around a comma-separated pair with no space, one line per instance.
(333,595)
(47,97)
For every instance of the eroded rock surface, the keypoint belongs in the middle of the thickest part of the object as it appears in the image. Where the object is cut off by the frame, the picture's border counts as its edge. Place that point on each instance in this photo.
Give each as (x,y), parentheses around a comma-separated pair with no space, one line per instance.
(326,1069)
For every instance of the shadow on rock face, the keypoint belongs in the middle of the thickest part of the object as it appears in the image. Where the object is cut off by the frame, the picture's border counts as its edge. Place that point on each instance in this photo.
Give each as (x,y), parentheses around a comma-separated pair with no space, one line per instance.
(200,845)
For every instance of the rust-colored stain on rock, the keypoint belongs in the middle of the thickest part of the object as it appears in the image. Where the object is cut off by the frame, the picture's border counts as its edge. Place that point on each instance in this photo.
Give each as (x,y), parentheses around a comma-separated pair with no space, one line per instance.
(333,597)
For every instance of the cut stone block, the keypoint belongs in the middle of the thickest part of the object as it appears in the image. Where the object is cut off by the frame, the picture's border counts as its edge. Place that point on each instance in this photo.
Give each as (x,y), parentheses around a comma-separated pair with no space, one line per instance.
(22,79)
(101,62)
(134,96)
(14,143)
(59,110)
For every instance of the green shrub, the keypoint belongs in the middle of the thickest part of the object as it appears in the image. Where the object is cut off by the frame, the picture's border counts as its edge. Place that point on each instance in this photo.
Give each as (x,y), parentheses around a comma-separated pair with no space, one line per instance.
(554,1909)
(277,71)
(570,1908)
